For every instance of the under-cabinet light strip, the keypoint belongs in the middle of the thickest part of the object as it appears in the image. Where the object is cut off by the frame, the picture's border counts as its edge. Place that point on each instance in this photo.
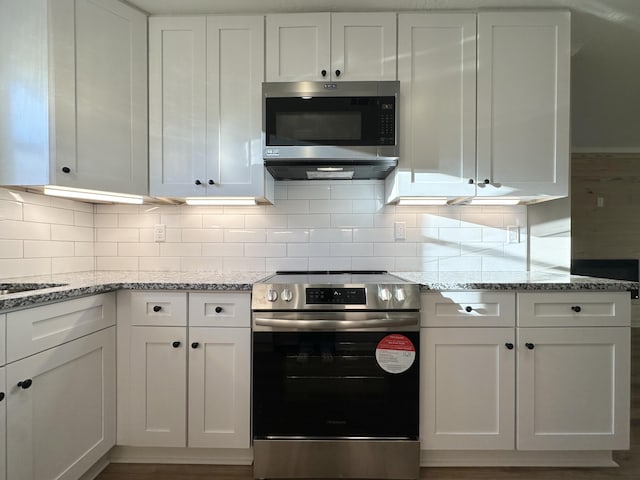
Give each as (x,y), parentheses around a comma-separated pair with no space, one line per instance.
(92,195)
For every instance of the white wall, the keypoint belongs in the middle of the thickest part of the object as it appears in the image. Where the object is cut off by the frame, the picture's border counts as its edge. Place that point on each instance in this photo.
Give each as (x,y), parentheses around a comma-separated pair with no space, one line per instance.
(44,235)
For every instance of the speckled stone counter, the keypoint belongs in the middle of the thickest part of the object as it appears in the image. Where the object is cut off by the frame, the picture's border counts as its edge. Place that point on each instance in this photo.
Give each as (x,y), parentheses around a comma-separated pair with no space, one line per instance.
(530,281)
(91,283)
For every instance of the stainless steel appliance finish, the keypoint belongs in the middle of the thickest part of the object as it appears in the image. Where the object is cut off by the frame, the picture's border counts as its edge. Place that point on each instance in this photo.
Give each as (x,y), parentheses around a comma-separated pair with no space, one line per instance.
(325,404)
(324,130)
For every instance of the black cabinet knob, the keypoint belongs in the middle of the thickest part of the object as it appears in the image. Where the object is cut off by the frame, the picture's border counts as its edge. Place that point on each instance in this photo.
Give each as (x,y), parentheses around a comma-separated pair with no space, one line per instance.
(471,181)
(576,308)
(509,346)
(487,181)
(198,182)
(24,384)
(324,73)
(338,72)
(468,309)
(66,170)
(1,396)
(195,345)
(530,346)
(157,308)
(211,182)
(175,344)
(218,309)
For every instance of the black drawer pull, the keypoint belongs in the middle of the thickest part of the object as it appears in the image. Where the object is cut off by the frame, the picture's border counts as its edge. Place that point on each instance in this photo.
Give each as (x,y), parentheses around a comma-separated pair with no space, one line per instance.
(175,344)
(157,308)
(195,345)
(218,309)
(24,384)
(1,396)
(530,346)
(468,309)
(509,345)
(576,308)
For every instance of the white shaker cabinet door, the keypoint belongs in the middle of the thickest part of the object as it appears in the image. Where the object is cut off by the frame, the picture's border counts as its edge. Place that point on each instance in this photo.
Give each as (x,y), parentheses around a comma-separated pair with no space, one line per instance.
(298,47)
(523,103)
(235,72)
(219,387)
(573,388)
(363,46)
(61,409)
(158,386)
(467,388)
(177,106)
(437,73)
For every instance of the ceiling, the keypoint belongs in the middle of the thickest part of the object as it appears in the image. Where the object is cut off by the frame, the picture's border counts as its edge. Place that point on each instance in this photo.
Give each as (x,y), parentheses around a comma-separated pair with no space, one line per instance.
(605,55)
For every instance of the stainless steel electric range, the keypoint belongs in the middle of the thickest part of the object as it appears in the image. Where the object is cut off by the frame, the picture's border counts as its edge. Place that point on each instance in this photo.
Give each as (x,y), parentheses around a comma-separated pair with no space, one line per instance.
(335,376)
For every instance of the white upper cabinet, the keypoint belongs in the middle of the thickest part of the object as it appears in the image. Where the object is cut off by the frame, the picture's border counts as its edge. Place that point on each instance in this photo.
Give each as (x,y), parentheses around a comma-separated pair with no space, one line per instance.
(523,103)
(205,107)
(331,46)
(437,73)
(73,90)
(495,123)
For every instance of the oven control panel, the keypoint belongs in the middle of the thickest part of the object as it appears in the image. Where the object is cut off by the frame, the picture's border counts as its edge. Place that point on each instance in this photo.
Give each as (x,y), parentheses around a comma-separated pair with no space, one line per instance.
(336,296)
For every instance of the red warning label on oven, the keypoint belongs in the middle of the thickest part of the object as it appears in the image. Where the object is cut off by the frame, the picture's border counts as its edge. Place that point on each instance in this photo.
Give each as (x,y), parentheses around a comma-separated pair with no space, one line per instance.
(395,353)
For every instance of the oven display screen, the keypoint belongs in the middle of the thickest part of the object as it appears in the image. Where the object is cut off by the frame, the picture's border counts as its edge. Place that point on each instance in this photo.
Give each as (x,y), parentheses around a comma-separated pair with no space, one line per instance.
(336,296)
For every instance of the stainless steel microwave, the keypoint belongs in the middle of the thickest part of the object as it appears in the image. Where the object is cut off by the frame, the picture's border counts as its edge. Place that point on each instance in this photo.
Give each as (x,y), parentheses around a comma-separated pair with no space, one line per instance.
(324,130)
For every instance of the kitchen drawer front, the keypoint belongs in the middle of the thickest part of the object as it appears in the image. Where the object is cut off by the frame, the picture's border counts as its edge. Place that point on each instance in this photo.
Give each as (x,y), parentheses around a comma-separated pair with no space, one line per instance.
(159,308)
(33,330)
(574,309)
(468,309)
(220,309)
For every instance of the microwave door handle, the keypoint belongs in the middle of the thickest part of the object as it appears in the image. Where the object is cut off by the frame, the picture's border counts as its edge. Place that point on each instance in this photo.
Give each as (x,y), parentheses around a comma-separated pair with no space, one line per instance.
(323,324)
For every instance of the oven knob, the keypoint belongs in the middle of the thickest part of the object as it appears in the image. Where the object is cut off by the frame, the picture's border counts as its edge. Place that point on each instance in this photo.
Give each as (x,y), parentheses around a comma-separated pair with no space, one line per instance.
(399,294)
(272,295)
(287,295)
(384,294)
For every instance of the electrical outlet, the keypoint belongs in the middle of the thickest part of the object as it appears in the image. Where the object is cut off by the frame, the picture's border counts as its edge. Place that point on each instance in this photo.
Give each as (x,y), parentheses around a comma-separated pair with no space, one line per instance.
(513,234)
(400,230)
(159,233)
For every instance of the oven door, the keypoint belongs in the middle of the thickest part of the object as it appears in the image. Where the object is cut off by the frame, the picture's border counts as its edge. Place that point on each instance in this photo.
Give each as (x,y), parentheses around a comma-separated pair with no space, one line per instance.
(318,384)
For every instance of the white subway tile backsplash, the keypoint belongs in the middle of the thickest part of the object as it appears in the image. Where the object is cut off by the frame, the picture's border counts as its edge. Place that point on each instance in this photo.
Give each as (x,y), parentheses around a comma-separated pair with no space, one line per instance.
(138,249)
(224,249)
(159,264)
(288,235)
(201,264)
(71,233)
(312,225)
(201,235)
(11,248)
(331,235)
(48,248)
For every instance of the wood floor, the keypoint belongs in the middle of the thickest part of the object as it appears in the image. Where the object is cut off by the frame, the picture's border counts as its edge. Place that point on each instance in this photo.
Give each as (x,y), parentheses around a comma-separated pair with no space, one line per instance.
(629,461)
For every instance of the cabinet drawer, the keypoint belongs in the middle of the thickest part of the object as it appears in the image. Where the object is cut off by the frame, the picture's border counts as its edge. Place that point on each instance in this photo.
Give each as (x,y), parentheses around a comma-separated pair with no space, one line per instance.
(468,309)
(568,309)
(36,329)
(159,308)
(219,310)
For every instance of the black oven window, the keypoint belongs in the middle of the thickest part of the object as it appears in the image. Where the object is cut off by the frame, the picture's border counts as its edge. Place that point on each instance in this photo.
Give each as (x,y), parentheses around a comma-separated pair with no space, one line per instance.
(318,127)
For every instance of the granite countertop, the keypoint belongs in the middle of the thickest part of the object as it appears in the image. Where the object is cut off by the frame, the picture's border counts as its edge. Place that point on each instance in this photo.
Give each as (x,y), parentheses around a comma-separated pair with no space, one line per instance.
(90,283)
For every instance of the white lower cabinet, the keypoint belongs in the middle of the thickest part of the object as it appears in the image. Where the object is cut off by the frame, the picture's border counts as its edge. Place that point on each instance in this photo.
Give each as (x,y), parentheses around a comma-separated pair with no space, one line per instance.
(185,385)
(560,386)
(573,388)
(468,387)
(61,409)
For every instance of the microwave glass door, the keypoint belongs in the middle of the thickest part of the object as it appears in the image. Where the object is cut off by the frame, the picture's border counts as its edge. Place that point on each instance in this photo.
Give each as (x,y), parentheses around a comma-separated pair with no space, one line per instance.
(339,121)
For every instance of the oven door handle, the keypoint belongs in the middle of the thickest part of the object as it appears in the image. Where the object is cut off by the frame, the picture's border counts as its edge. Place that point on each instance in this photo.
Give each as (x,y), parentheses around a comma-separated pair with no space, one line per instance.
(323,323)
